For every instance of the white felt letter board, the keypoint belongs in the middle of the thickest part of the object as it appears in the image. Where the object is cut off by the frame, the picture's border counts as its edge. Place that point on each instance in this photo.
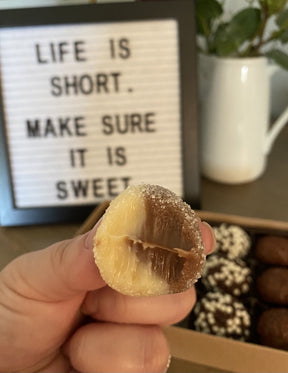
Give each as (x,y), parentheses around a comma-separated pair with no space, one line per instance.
(90,107)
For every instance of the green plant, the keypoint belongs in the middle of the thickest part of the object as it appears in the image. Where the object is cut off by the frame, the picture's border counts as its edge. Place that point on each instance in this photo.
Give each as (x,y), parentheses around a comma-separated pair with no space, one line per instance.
(245,34)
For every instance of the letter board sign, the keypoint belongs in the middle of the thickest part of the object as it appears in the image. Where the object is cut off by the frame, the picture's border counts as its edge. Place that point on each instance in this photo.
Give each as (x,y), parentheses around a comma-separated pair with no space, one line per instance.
(94,98)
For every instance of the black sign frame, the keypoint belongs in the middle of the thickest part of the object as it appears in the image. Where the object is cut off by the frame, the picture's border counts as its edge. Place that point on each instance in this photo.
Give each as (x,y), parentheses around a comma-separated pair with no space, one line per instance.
(180,10)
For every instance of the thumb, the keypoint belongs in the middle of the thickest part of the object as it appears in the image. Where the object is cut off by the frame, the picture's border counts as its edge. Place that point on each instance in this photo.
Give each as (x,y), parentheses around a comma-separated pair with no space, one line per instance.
(56,273)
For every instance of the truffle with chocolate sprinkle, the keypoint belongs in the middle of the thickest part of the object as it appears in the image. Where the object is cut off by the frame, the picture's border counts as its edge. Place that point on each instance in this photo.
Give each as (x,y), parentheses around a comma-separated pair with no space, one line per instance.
(232,241)
(233,277)
(222,315)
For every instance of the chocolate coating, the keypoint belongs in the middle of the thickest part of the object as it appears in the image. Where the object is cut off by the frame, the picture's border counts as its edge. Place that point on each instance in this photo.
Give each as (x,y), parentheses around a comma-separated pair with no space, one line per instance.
(232,241)
(233,277)
(222,315)
(272,285)
(272,250)
(273,328)
(177,252)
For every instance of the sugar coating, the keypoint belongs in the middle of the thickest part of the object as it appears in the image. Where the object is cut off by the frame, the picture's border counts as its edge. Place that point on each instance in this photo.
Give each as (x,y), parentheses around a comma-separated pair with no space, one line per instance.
(222,315)
(232,241)
(226,275)
(163,199)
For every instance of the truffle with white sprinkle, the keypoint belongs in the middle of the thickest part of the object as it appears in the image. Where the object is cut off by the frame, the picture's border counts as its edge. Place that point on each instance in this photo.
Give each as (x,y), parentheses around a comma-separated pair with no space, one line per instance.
(232,241)
(233,277)
(222,315)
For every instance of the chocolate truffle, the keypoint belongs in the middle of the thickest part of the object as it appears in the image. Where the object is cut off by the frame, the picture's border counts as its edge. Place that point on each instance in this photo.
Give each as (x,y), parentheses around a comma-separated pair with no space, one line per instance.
(233,277)
(273,328)
(149,243)
(272,250)
(222,315)
(272,285)
(232,241)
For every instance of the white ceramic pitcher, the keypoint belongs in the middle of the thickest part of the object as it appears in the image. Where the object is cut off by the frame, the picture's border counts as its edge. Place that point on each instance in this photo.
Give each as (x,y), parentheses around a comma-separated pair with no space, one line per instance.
(235,116)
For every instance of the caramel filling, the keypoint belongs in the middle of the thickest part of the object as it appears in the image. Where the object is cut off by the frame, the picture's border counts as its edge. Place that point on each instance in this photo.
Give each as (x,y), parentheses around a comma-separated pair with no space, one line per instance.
(165,262)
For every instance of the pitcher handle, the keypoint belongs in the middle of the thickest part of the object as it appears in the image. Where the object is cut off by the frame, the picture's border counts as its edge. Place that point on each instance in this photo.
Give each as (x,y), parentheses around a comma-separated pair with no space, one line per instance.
(275,130)
(279,123)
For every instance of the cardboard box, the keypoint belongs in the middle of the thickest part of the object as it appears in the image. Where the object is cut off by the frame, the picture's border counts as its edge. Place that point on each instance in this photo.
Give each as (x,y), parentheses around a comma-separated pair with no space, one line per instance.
(207,353)
(198,352)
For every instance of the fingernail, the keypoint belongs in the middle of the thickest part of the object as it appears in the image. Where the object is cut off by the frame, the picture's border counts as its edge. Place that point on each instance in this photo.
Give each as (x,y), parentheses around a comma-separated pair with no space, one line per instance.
(213,238)
(168,362)
(89,241)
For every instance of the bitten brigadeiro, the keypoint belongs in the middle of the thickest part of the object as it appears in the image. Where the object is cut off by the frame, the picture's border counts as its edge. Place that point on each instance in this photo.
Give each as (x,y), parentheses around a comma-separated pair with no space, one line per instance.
(149,243)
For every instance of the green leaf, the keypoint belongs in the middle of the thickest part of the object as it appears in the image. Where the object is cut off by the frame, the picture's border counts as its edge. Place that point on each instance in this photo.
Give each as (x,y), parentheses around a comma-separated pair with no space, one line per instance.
(282,19)
(245,24)
(284,37)
(273,6)
(230,36)
(282,22)
(206,12)
(223,45)
(208,9)
(280,57)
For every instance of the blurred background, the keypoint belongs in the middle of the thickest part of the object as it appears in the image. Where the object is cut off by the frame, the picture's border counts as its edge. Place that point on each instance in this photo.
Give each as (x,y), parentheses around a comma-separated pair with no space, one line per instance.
(279,88)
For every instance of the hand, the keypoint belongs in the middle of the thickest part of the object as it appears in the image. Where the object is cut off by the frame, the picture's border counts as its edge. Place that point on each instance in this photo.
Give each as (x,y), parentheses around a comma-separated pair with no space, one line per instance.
(43,296)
